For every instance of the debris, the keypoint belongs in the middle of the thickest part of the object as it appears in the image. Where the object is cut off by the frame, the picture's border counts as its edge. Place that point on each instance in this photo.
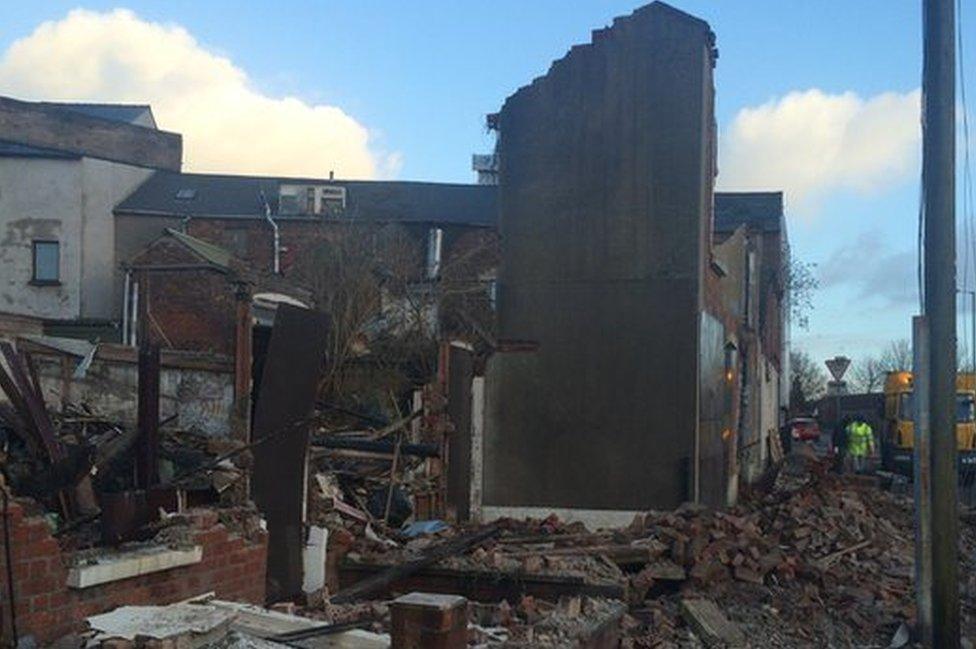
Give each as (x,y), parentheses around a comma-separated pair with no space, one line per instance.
(418,528)
(432,556)
(192,625)
(825,562)
(710,624)
(901,638)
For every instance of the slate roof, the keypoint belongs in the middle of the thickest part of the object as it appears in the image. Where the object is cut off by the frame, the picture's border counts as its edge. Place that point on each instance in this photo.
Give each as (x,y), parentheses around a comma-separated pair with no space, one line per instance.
(759,210)
(128,113)
(379,200)
(211,253)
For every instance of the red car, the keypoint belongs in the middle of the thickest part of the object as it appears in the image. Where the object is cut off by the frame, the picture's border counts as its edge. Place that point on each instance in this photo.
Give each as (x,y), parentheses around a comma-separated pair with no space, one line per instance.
(805,429)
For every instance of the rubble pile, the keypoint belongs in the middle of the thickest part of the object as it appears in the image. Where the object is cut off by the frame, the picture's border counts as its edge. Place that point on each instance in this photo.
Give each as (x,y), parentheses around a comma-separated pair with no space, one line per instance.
(818,560)
(816,555)
(572,622)
(531,622)
(519,549)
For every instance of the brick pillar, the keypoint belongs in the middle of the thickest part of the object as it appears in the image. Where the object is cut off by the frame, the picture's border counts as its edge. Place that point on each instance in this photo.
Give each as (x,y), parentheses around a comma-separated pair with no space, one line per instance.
(429,621)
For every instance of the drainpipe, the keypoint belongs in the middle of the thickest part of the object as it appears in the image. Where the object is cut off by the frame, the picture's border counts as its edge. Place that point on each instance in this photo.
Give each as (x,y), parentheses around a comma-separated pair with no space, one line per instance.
(274,227)
(125,307)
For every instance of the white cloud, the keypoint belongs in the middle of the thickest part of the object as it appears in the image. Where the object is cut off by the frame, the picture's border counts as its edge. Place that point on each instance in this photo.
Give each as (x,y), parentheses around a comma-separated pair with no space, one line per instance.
(227,124)
(811,143)
(873,270)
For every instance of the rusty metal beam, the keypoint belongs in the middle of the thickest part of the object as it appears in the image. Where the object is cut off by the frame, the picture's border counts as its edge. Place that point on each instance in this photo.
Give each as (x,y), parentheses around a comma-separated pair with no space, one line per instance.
(147,445)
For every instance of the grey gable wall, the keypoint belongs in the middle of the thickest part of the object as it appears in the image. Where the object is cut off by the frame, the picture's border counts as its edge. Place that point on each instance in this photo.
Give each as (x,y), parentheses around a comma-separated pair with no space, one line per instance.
(605,198)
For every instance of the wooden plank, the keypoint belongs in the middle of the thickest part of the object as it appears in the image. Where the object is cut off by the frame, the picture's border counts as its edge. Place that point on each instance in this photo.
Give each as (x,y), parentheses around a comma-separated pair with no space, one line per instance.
(449,548)
(617,553)
(34,402)
(485,585)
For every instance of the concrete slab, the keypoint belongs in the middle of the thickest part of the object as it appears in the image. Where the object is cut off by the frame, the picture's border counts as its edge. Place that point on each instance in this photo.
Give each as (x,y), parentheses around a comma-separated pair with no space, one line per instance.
(196,625)
(133,563)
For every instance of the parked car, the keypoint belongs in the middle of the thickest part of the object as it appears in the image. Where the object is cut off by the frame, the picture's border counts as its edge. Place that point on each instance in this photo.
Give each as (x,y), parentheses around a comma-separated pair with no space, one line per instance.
(805,429)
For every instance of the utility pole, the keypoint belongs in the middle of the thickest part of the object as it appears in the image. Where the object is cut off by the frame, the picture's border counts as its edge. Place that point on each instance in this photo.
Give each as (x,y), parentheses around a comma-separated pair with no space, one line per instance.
(938,181)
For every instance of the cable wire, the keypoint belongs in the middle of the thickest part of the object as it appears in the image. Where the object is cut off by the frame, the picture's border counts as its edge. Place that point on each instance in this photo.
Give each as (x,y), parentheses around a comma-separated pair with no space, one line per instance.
(969,226)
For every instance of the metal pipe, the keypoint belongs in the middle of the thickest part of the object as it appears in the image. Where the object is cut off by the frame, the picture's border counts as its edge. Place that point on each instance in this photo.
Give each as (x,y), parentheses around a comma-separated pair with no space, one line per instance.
(133,314)
(277,239)
(938,184)
(125,307)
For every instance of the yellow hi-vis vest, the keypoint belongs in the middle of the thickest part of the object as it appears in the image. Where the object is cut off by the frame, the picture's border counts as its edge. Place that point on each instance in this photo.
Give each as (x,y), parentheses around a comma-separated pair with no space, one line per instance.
(860,438)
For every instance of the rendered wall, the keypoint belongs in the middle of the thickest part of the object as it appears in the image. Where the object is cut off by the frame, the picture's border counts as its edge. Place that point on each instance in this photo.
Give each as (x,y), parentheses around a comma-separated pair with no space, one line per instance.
(69,201)
(195,388)
(104,185)
(605,198)
(40,199)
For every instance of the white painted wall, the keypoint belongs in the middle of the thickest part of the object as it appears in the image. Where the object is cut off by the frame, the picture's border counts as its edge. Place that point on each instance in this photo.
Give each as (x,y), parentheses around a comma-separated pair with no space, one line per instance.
(70,201)
(40,199)
(105,184)
(768,403)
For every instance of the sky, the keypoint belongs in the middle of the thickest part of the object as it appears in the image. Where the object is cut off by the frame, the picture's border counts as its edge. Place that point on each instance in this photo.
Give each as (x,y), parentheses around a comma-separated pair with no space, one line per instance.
(818,98)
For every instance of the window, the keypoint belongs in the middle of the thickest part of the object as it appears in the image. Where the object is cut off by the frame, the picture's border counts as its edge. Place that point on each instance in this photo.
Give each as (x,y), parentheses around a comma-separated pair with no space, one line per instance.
(47,262)
(309,200)
(906,407)
(964,407)
(332,201)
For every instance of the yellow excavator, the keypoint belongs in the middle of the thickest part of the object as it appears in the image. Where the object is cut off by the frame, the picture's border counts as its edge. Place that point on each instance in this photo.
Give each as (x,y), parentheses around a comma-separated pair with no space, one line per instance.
(898,436)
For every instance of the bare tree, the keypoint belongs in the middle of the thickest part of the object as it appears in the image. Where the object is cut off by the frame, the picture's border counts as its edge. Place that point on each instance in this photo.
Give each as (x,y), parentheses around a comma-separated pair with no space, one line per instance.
(868,375)
(387,313)
(808,376)
(800,282)
(964,358)
(897,356)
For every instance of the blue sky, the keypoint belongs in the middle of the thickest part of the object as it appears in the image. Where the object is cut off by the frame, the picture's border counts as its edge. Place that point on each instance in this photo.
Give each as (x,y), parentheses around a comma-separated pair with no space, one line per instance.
(419,77)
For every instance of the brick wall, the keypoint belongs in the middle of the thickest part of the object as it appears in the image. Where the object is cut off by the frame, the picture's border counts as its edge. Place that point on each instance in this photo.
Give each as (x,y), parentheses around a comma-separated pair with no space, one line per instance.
(251,239)
(232,567)
(194,310)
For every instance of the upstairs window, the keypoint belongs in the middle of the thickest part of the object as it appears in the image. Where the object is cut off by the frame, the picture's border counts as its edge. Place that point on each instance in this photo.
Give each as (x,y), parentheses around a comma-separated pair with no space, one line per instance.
(47,262)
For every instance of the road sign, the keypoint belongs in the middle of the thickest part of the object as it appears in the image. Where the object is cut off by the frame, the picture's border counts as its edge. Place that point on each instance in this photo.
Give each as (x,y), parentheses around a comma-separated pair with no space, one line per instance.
(837,366)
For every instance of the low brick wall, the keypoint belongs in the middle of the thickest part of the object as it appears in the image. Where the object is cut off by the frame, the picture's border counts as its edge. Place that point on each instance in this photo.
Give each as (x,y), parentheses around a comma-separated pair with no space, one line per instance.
(46,608)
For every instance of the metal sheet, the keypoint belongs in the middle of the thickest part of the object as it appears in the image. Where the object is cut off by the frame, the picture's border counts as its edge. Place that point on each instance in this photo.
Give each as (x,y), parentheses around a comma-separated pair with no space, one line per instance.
(289,382)
(458,376)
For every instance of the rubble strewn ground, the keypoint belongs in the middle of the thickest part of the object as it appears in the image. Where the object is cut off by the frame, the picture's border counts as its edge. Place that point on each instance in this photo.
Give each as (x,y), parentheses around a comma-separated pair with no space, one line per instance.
(815,559)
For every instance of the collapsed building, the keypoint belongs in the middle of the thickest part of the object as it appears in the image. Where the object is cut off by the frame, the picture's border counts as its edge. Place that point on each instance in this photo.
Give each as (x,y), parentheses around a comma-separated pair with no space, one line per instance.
(621,345)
